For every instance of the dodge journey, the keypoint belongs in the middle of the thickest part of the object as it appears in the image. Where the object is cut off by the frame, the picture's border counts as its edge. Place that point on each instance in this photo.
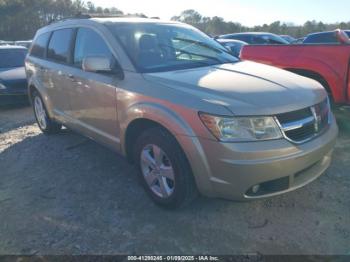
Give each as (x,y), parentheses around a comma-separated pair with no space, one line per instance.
(188,114)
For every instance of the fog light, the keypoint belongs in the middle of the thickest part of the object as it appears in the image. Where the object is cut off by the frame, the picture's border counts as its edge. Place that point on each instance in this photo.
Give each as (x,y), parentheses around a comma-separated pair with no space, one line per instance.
(255,189)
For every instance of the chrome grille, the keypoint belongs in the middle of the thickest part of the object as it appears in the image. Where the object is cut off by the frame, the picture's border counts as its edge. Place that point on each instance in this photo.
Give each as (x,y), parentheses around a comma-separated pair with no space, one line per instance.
(303,125)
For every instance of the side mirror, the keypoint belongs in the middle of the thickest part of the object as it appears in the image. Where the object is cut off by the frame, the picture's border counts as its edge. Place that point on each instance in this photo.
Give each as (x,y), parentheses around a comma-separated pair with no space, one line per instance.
(97,64)
(102,64)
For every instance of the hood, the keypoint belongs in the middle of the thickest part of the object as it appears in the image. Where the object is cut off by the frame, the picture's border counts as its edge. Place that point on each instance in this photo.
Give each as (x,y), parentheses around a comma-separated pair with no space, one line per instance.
(246,88)
(12,74)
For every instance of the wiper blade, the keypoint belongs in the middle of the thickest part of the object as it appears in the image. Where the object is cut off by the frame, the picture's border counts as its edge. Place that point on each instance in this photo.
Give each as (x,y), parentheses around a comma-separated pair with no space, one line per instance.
(192,53)
(203,44)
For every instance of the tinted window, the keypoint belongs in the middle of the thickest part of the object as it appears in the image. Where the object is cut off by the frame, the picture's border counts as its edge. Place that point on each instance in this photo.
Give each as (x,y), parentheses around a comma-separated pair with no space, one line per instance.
(323,38)
(39,45)
(269,40)
(89,43)
(12,57)
(244,38)
(235,48)
(259,40)
(276,40)
(59,46)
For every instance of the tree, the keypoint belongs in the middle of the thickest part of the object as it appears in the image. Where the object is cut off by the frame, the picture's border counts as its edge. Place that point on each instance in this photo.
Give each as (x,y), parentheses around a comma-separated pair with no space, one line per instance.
(189,16)
(20,20)
(91,7)
(217,25)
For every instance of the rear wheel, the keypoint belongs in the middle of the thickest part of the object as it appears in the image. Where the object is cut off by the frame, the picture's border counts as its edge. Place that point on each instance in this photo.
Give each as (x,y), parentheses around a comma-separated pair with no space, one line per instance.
(163,169)
(43,120)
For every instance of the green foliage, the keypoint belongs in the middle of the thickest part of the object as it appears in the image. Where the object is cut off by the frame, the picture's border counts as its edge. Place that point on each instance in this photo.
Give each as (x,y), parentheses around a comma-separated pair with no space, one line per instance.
(217,25)
(20,19)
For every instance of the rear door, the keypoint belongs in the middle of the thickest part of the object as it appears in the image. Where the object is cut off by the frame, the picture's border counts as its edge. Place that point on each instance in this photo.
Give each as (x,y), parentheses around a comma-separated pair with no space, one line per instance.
(58,71)
(93,95)
(36,64)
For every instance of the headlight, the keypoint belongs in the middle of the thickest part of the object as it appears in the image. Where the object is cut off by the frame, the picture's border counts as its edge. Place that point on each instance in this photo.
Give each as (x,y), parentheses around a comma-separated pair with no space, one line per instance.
(241,129)
(2,86)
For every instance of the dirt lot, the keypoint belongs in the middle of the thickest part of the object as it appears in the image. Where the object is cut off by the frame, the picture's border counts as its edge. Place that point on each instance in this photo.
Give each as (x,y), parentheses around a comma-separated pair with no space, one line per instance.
(65,194)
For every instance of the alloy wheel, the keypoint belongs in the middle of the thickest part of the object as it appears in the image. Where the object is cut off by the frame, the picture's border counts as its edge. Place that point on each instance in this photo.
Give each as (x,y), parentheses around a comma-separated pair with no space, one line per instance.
(157,171)
(40,112)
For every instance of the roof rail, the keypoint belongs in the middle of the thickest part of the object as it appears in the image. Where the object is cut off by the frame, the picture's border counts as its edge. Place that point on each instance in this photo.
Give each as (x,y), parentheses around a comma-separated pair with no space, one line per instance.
(87,16)
(77,16)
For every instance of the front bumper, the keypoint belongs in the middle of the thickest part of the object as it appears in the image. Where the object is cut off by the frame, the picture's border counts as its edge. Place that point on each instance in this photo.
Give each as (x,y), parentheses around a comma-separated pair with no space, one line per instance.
(278,166)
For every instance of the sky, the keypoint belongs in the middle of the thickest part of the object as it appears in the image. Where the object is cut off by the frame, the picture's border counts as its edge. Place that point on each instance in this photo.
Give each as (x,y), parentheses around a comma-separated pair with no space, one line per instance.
(246,12)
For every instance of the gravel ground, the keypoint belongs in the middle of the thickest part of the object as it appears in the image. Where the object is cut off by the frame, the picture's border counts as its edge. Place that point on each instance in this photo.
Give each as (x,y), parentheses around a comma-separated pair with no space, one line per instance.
(64,194)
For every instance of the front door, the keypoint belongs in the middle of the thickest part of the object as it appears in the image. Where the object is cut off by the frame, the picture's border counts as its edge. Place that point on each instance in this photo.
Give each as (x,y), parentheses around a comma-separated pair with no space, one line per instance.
(93,95)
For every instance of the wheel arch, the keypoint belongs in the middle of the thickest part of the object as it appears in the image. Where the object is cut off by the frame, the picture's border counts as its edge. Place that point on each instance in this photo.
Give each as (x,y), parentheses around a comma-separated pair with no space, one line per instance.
(140,116)
(143,115)
(31,89)
(35,86)
(313,75)
(135,128)
(147,115)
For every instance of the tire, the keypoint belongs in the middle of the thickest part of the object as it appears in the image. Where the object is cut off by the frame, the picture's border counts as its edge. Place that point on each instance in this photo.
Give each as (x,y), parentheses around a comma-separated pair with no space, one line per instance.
(46,125)
(165,190)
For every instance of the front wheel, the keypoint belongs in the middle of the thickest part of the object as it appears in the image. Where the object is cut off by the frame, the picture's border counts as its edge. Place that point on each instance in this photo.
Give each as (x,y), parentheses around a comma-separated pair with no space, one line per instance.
(164,169)
(46,125)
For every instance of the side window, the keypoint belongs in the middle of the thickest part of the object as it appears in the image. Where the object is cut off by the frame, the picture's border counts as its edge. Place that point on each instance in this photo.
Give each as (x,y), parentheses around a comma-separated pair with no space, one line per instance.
(329,38)
(260,40)
(238,37)
(324,38)
(39,45)
(244,38)
(59,46)
(89,43)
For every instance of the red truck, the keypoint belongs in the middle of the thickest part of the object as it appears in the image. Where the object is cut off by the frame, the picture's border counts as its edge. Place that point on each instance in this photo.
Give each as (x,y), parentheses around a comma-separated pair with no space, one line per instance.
(328,64)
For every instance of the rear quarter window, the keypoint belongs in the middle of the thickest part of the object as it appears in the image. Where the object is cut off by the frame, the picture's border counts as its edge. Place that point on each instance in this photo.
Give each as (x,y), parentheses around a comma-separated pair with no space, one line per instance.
(60,45)
(39,46)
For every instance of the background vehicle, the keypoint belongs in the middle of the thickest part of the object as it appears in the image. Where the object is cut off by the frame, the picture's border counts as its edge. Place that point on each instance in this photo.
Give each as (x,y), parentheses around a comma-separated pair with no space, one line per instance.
(329,37)
(6,42)
(26,43)
(234,46)
(288,38)
(13,81)
(256,38)
(299,40)
(175,102)
(326,63)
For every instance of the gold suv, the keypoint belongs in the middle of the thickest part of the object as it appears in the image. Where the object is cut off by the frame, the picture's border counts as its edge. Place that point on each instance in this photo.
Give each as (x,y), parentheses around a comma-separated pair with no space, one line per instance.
(191,116)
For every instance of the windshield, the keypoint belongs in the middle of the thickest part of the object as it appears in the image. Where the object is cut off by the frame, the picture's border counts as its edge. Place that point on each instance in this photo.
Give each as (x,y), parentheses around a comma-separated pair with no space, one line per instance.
(12,57)
(166,47)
